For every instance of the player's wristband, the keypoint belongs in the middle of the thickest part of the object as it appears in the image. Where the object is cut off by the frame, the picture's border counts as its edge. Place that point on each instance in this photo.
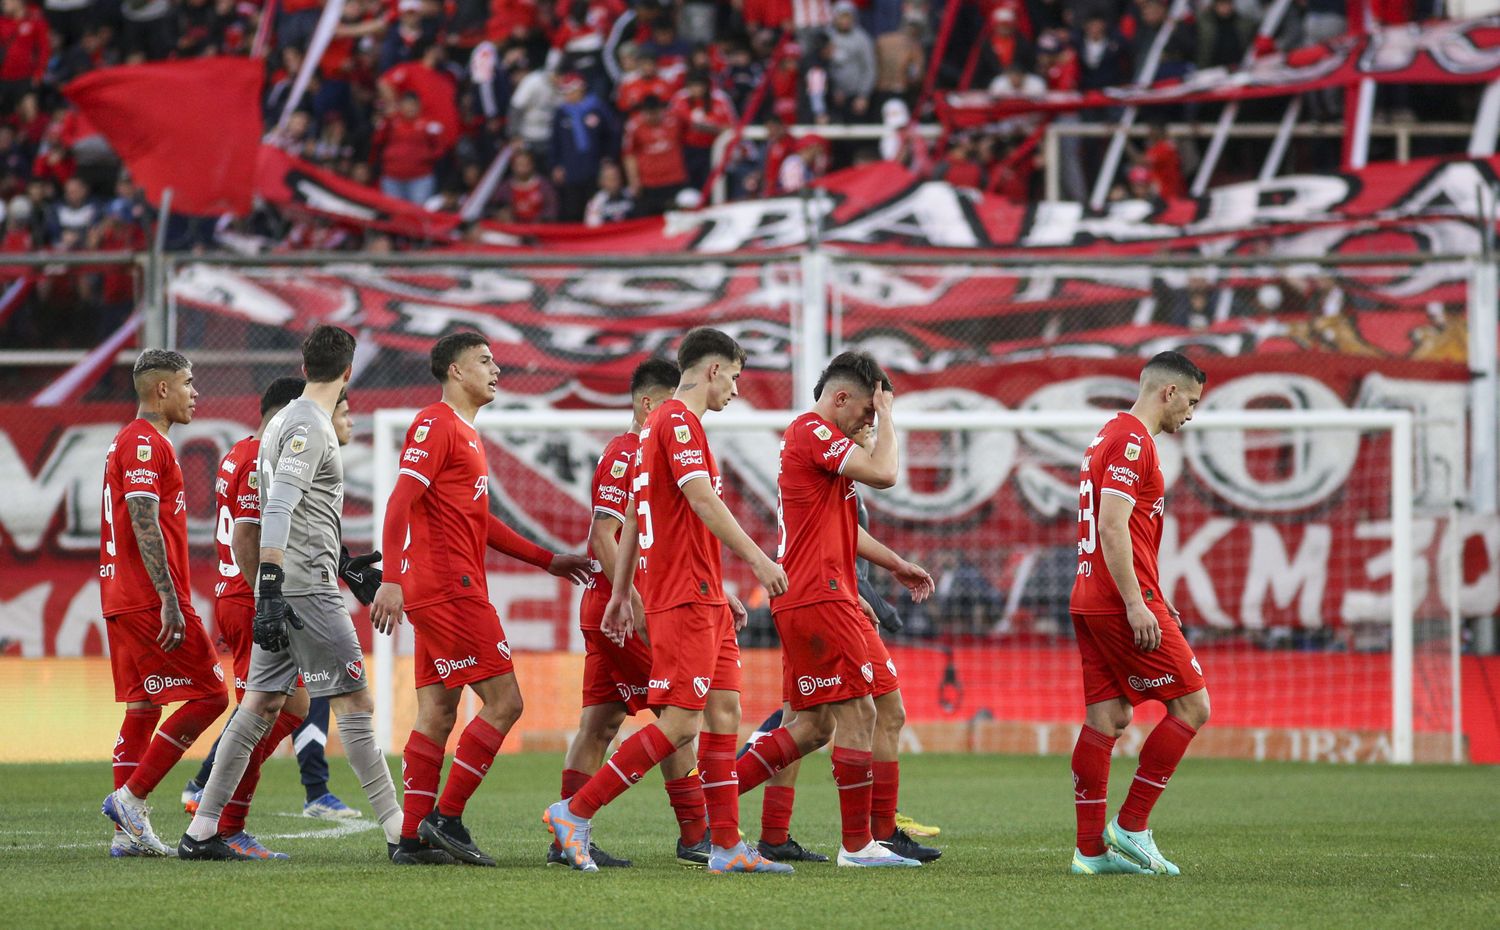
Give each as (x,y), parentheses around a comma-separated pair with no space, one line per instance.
(271,578)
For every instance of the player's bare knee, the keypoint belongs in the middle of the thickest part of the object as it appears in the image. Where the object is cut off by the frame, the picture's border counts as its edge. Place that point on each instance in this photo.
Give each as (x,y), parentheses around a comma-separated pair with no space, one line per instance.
(1192,709)
(890,716)
(816,728)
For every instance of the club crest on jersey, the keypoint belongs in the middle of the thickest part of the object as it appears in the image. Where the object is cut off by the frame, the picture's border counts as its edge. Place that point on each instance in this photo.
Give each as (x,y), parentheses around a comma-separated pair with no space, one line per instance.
(420,435)
(253,480)
(822,432)
(1132,451)
(682,433)
(297,444)
(356,669)
(617,470)
(700,686)
(143,453)
(504,647)
(868,671)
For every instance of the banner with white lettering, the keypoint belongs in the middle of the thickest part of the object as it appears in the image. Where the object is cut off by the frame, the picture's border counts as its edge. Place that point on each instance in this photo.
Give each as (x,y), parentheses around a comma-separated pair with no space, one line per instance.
(1429,206)
(1436,52)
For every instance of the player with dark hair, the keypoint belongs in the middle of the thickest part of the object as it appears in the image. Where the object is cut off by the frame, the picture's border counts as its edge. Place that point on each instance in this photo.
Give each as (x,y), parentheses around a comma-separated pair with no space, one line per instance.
(829,663)
(675,529)
(158,650)
(237,536)
(437,525)
(1129,634)
(301,625)
(616,672)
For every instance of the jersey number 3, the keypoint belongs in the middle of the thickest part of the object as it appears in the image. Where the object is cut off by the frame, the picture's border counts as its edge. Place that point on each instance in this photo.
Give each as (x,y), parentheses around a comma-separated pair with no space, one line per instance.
(1088,537)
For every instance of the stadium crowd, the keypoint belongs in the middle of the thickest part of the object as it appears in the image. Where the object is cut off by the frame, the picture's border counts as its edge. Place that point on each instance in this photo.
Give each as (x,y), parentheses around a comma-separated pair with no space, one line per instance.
(608,109)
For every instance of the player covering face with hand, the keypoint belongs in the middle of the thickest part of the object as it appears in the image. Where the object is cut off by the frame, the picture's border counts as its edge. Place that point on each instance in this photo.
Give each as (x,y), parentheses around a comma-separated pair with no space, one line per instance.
(829,665)
(437,527)
(1129,634)
(675,528)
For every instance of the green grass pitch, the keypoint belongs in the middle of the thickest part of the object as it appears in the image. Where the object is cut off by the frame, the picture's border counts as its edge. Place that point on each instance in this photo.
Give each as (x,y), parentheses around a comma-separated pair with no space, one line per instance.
(1260,845)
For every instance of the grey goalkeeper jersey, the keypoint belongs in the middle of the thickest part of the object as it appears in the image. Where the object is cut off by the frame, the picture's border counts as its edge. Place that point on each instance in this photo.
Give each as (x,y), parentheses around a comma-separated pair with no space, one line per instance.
(300,448)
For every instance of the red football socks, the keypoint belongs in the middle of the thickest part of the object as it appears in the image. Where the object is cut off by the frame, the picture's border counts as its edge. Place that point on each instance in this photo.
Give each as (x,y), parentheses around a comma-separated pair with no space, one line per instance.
(232,818)
(1160,754)
(635,757)
(477,746)
(172,740)
(1091,788)
(776,814)
(883,796)
(421,769)
(769,755)
(852,773)
(572,781)
(130,745)
(686,795)
(721,790)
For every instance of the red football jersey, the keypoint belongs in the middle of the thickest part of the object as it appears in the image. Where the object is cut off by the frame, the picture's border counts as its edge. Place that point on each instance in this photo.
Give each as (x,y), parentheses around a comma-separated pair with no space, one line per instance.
(609,492)
(141,463)
(1121,461)
(817,514)
(448,526)
(680,560)
(236,500)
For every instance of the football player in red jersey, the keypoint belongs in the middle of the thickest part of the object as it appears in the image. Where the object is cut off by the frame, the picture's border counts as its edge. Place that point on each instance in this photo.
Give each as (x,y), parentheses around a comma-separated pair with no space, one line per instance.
(830,674)
(1129,634)
(158,650)
(437,525)
(675,529)
(616,672)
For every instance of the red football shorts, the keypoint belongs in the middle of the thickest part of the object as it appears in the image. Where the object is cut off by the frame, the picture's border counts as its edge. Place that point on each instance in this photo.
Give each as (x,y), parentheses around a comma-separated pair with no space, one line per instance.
(143,672)
(459,642)
(885,670)
(234,618)
(1114,666)
(693,652)
(615,674)
(825,654)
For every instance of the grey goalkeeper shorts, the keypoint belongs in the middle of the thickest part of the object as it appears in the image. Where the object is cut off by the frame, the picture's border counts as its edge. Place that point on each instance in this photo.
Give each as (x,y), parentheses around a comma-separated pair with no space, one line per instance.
(325,651)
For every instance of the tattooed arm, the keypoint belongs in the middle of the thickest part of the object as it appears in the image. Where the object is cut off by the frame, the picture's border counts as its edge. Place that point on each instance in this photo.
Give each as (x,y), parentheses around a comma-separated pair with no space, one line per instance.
(153,549)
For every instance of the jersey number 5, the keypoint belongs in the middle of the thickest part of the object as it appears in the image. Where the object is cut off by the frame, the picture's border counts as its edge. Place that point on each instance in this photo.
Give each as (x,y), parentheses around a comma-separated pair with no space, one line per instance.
(1088,538)
(642,512)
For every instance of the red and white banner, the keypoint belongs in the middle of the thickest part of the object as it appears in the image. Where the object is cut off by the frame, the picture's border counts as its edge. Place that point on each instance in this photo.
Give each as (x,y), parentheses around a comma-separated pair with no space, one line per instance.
(1437,52)
(1428,206)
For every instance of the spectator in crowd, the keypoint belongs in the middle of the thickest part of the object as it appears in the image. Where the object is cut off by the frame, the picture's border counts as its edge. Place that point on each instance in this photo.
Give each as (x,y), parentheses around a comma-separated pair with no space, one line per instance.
(1224,34)
(18,236)
(1007,47)
(645,82)
(578,43)
(1164,164)
(532,105)
(779,146)
(900,62)
(1177,55)
(652,151)
(807,162)
(613,203)
(70,20)
(851,73)
(583,135)
(146,33)
(412,33)
(703,113)
(1018,82)
(78,210)
(670,52)
(525,196)
(742,74)
(25,47)
(409,145)
(1101,55)
(960,166)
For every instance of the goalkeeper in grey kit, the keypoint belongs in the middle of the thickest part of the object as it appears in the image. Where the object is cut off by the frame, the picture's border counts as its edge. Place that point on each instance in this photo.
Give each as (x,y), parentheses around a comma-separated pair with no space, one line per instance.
(301,624)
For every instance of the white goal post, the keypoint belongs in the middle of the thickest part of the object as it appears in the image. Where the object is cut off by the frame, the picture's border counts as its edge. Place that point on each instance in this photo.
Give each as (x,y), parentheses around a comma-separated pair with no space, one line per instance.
(390,426)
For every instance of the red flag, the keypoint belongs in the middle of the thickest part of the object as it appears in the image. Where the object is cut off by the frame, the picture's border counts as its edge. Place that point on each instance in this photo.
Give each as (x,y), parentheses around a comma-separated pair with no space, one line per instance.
(193,126)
